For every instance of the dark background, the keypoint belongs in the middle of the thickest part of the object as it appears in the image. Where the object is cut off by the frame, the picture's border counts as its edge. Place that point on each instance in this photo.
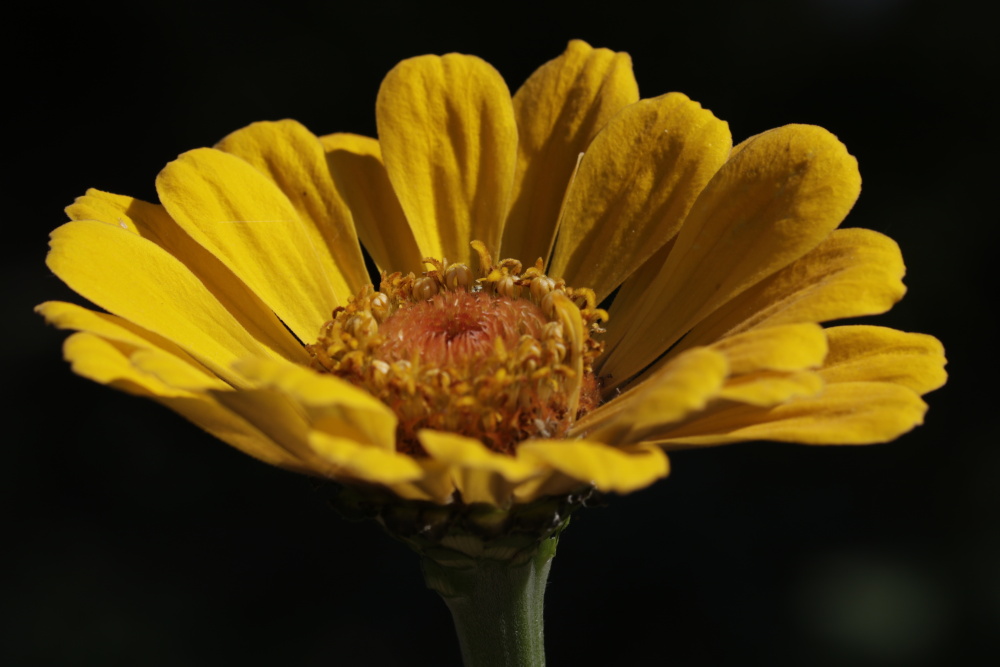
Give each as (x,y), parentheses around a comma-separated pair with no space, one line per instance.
(135,539)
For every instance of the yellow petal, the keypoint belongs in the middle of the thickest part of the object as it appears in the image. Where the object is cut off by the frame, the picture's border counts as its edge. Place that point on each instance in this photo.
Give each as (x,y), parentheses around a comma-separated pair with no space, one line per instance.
(636,183)
(246,221)
(280,420)
(151,222)
(774,201)
(293,158)
(853,272)
(331,404)
(849,413)
(359,175)
(147,352)
(789,347)
(683,386)
(110,327)
(767,388)
(609,469)
(768,365)
(175,372)
(139,281)
(481,475)
(878,354)
(449,142)
(305,418)
(107,362)
(559,110)
(354,461)
(210,416)
(435,484)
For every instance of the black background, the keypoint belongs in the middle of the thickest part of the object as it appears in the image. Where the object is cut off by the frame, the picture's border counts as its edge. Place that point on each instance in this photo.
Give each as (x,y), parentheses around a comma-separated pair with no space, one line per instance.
(135,539)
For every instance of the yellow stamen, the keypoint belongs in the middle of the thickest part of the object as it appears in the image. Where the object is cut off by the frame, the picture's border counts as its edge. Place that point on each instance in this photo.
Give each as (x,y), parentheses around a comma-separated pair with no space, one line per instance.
(502,359)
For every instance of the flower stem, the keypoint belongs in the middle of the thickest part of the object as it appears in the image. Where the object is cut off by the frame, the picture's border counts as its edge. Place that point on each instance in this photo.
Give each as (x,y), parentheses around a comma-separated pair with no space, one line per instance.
(497,606)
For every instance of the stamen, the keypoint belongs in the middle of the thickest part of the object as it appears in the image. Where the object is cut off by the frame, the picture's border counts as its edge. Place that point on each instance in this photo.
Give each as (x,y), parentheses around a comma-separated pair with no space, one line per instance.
(502,359)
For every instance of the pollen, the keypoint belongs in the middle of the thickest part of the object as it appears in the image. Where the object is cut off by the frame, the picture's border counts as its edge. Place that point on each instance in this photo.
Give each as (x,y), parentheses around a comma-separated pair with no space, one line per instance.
(458,329)
(501,358)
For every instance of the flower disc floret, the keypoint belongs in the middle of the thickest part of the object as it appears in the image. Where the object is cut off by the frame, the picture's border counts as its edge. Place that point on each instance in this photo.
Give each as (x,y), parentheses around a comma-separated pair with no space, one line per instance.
(502,358)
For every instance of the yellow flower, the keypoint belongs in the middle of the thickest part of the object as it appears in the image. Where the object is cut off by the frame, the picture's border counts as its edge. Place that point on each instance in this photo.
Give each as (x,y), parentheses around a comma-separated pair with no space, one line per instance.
(242,300)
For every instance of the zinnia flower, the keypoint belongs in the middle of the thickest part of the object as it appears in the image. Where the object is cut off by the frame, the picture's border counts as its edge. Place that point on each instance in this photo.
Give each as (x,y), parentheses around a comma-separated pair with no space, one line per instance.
(664,288)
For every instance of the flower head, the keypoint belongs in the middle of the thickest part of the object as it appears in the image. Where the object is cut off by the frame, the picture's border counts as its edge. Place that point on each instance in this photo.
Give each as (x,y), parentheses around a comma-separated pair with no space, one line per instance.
(573,280)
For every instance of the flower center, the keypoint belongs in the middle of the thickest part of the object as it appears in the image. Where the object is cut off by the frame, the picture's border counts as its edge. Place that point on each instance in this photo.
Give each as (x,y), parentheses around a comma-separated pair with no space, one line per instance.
(458,329)
(502,358)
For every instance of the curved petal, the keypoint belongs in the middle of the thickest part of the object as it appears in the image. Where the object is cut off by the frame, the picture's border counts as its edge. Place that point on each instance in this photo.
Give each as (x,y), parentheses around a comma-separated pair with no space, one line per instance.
(449,142)
(151,222)
(771,365)
(280,420)
(175,372)
(139,281)
(609,469)
(849,413)
(789,347)
(636,183)
(146,351)
(64,315)
(245,220)
(327,423)
(775,200)
(767,388)
(358,462)
(355,162)
(853,272)
(293,158)
(559,110)
(108,362)
(878,354)
(111,362)
(766,366)
(435,484)
(330,404)
(683,386)
(872,375)
(481,475)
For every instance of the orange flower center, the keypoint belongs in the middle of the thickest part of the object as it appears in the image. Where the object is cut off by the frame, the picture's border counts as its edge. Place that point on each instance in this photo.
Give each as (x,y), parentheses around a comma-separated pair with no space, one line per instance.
(501,359)
(458,329)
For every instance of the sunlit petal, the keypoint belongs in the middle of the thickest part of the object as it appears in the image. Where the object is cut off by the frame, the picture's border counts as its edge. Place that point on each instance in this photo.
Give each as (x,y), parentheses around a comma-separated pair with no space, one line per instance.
(878,354)
(449,142)
(245,220)
(617,469)
(151,222)
(636,184)
(139,281)
(293,158)
(770,204)
(853,272)
(331,404)
(681,387)
(559,110)
(356,166)
(850,413)
(109,363)
(481,475)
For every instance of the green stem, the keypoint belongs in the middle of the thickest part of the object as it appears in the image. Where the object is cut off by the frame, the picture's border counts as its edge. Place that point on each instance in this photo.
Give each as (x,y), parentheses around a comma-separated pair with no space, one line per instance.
(497,607)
